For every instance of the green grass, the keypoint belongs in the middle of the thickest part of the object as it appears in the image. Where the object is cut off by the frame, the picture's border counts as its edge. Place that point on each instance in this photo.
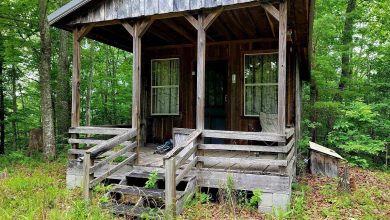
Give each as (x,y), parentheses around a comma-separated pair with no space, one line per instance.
(34,189)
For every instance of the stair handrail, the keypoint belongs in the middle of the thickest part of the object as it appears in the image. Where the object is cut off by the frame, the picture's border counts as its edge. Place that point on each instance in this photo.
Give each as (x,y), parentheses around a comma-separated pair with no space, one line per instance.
(90,155)
(172,161)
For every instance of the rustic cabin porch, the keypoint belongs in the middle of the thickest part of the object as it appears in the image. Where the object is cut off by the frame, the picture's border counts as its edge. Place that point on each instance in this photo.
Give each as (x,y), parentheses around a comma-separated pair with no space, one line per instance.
(220,78)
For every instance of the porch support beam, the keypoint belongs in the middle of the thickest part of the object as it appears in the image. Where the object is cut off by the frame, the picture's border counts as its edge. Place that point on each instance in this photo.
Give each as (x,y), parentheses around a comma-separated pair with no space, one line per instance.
(269,8)
(282,68)
(84,31)
(75,112)
(201,75)
(138,30)
(201,25)
(271,25)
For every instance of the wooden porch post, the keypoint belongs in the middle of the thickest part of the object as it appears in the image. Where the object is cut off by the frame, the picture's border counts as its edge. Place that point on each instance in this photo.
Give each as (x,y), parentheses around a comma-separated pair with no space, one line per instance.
(136,101)
(282,68)
(201,75)
(75,120)
(137,31)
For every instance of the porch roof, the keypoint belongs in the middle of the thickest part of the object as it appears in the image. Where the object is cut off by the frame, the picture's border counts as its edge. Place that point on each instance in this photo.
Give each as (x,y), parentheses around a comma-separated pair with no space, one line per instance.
(240,20)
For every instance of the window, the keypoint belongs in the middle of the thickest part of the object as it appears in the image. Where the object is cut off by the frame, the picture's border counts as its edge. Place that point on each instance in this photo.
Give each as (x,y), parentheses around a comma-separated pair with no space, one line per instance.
(261,84)
(165,86)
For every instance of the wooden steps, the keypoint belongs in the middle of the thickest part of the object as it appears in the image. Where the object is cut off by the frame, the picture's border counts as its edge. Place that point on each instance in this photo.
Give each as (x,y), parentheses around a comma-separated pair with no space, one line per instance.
(133,201)
(141,191)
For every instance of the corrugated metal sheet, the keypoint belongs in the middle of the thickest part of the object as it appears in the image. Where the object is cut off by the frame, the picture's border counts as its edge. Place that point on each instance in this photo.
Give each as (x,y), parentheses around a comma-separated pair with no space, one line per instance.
(324,150)
(65,10)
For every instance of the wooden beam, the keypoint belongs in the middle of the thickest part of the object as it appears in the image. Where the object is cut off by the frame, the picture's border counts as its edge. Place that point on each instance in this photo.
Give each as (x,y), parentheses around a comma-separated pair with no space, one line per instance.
(84,31)
(75,111)
(111,143)
(87,177)
(144,26)
(192,20)
(208,21)
(140,27)
(272,10)
(136,101)
(282,68)
(244,135)
(201,73)
(112,170)
(129,28)
(271,25)
(252,148)
(97,130)
(243,161)
(170,187)
(112,157)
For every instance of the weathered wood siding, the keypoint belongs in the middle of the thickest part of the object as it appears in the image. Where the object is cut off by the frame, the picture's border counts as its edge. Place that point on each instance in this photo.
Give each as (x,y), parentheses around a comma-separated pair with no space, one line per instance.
(325,165)
(159,128)
(119,9)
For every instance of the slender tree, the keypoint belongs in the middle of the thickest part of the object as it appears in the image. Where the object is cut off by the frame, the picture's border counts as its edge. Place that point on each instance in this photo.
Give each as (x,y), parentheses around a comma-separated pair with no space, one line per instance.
(63,87)
(14,108)
(346,54)
(89,87)
(2,107)
(49,146)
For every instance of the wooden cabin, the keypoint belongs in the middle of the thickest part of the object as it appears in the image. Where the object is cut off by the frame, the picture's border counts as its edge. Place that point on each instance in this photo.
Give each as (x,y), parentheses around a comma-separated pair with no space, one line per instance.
(222,78)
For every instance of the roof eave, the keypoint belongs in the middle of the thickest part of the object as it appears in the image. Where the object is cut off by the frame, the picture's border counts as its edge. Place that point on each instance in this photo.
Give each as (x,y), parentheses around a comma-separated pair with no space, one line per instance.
(66,10)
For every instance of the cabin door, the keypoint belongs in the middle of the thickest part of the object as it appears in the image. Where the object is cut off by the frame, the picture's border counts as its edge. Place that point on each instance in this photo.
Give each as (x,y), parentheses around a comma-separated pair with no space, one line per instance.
(216,97)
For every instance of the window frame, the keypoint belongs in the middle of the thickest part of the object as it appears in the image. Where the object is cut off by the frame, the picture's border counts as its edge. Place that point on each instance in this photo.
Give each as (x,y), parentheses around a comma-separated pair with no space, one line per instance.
(255,84)
(167,86)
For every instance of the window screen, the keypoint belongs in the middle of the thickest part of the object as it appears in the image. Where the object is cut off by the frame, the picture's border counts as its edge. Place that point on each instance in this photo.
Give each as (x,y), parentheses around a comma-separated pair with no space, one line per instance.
(165,86)
(260,84)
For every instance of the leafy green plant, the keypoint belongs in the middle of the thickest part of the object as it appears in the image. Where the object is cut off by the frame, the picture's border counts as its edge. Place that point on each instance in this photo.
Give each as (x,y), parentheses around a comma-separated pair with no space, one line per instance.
(255,199)
(152,180)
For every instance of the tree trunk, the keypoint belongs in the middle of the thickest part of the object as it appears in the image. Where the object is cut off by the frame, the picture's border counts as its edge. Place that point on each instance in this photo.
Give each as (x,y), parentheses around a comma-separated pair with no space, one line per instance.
(14,108)
(346,52)
(2,106)
(89,87)
(49,147)
(313,100)
(113,87)
(63,88)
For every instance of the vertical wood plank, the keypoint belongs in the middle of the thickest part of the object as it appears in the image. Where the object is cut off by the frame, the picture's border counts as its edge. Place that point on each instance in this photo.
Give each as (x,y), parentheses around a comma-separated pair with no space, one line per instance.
(170,187)
(122,9)
(135,9)
(165,6)
(282,67)
(151,7)
(200,78)
(88,162)
(75,120)
(298,103)
(195,4)
(181,5)
(135,118)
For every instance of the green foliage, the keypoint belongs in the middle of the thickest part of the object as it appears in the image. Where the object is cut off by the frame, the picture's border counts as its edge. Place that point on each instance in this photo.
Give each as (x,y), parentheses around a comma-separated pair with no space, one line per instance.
(351,133)
(255,199)
(357,123)
(152,180)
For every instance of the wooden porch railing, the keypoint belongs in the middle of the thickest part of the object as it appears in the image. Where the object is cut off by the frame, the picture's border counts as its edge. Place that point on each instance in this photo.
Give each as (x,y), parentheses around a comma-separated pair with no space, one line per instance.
(172,162)
(91,165)
(284,151)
